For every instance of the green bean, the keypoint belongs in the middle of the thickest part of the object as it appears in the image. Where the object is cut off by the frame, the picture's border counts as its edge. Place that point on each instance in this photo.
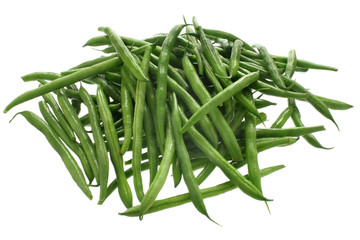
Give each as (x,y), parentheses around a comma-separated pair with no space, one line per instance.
(316,102)
(60,148)
(217,118)
(161,79)
(287,132)
(157,184)
(250,146)
(59,115)
(74,94)
(152,149)
(283,117)
(125,54)
(108,88)
(295,116)
(80,132)
(197,50)
(227,36)
(100,147)
(235,57)
(172,73)
(305,64)
(138,126)
(64,81)
(75,103)
(210,52)
(94,61)
(191,103)
(262,103)
(291,64)
(271,67)
(220,98)
(127,115)
(40,75)
(185,198)
(246,186)
(273,91)
(184,160)
(114,148)
(334,104)
(74,146)
(113,77)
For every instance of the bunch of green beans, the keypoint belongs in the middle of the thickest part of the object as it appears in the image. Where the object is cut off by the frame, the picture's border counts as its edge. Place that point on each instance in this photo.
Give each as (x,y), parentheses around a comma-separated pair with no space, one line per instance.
(188,101)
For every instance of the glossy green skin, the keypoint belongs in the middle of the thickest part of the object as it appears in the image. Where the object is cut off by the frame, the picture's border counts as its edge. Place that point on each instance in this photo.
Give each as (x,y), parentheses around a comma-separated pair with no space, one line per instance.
(287,132)
(205,123)
(274,91)
(127,115)
(161,79)
(80,132)
(271,67)
(295,116)
(184,159)
(161,175)
(283,117)
(197,50)
(108,88)
(246,186)
(114,148)
(94,61)
(185,198)
(100,146)
(291,64)
(220,98)
(59,115)
(40,75)
(250,146)
(235,57)
(64,81)
(138,126)
(74,146)
(61,149)
(125,54)
(215,115)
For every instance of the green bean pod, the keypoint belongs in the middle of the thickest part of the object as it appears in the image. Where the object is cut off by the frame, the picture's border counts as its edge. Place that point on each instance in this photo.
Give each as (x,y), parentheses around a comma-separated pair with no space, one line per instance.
(73,145)
(64,81)
(127,115)
(235,57)
(184,160)
(59,115)
(283,117)
(100,146)
(114,148)
(80,132)
(221,97)
(125,54)
(250,146)
(245,185)
(40,75)
(216,116)
(271,67)
(160,178)
(178,200)
(161,79)
(60,148)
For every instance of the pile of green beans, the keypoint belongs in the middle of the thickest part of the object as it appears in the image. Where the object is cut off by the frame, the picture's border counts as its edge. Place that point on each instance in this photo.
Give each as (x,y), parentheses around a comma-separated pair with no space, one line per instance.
(189,101)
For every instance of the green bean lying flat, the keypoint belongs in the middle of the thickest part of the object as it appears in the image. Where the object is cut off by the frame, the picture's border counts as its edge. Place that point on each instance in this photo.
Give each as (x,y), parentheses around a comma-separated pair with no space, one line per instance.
(74,146)
(114,147)
(185,103)
(64,81)
(100,147)
(79,130)
(185,198)
(60,148)
(220,98)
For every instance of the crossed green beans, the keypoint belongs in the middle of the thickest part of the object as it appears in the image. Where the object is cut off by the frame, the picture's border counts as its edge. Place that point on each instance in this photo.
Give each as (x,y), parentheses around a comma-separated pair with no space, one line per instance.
(189,102)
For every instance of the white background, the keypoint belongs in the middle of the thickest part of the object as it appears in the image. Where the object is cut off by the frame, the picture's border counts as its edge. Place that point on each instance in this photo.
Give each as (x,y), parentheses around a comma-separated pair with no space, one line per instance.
(315,197)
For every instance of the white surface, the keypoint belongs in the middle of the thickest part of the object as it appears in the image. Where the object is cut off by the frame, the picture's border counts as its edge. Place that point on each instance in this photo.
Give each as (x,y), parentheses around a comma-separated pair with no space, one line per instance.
(315,196)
